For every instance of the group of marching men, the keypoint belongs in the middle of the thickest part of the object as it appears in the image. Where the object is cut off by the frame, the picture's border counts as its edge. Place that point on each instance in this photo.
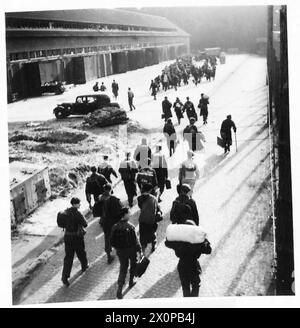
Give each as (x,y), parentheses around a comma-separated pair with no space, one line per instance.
(181,71)
(148,171)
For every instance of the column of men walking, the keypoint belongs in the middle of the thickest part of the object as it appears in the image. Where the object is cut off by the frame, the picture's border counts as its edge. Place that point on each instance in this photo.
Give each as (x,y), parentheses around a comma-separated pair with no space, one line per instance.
(147,171)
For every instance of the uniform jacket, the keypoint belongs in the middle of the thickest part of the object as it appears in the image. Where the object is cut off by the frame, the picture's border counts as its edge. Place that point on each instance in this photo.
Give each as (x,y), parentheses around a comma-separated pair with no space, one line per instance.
(149,207)
(189,201)
(73,223)
(128,169)
(151,176)
(225,130)
(95,184)
(109,210)
(166,108)
(135,244)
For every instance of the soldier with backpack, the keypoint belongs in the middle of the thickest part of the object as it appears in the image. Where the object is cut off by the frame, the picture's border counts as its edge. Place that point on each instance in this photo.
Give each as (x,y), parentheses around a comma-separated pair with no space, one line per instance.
(149,207)
(147,176)
(188,267)
(184,207)
(106,169)
(203,102)
(73,223)
(128,170)
(94,185)
(193,136)
(124,239)
(160,166)
(188,171)
(109,209)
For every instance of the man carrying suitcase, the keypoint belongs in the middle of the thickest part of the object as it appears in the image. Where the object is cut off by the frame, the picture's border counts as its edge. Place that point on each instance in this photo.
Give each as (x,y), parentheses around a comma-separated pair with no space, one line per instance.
(124,239)
(225,132)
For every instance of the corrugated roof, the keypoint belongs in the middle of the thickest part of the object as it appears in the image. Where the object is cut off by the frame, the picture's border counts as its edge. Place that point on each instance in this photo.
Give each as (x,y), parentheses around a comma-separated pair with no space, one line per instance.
(98,16)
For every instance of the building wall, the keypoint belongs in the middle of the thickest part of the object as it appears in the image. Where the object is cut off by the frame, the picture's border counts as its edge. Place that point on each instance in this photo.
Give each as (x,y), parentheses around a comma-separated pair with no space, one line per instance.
(35,57)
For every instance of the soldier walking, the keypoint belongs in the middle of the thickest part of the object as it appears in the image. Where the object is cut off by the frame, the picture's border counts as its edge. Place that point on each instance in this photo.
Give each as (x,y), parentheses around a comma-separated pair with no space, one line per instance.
(94,186)
(128,170)
(153,87)
(149,207)
(130,99)
(171,136)
(178,107)
(109,209)
(166,109)
(159,164)
(125,241)
(203,107)
(115,89)
(74,240)
(106,169)
(189,108)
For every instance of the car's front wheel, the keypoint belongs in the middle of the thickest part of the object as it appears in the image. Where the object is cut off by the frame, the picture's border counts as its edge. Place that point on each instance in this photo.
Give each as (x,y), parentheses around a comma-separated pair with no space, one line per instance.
(60,113)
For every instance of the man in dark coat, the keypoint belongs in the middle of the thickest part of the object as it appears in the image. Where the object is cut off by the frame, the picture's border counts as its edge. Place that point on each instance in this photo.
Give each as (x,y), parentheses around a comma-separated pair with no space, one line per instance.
(190,109)
(147,176)
(188,267)
(203,107)
(130,99)
(106,169)
(184,207)
(108,208)
(124,240)
(128,170)
(115,88)
(171,136)
(193,136)
(159,164)
(178,107)
(166,108)
(94,185)
(149,207)
(225,132)
(153,87)
(96,86)
(74,240)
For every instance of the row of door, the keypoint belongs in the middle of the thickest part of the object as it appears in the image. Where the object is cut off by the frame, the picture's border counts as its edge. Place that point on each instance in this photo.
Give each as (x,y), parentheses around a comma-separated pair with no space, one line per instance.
(26,79)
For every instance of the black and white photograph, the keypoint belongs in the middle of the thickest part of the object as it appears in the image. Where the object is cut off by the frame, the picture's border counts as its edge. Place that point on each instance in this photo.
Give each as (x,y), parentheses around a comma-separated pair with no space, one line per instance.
(148,152)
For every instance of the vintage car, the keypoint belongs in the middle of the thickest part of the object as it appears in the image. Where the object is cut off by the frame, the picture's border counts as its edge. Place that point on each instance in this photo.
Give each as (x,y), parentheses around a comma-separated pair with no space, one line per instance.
(83,105)
(53,87)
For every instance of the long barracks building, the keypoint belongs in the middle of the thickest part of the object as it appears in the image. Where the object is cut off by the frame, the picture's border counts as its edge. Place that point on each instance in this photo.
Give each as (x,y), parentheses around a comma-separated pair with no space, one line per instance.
(76,46)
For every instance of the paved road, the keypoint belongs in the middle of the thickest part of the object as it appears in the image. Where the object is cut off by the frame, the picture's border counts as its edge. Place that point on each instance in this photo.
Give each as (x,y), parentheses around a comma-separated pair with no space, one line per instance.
(233,197)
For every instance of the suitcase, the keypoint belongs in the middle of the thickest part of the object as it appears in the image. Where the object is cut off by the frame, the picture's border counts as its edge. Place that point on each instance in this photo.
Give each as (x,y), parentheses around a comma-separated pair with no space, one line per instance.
(141,267)
(220,142)
(168,184)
